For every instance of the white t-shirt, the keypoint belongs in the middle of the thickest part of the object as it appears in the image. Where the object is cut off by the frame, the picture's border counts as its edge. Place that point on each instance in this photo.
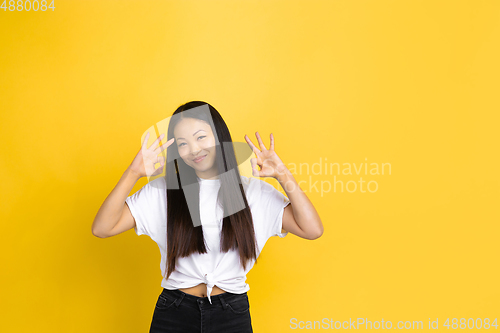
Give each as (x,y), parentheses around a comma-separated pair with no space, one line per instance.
(148,206)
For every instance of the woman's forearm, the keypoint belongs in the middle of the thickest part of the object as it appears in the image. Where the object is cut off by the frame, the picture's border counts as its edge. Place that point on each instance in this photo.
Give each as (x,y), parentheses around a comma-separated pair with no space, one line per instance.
(304,212)
(111,210)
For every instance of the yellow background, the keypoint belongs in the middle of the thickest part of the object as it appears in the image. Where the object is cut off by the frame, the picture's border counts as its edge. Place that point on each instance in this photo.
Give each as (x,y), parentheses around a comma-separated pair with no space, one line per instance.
(410,83)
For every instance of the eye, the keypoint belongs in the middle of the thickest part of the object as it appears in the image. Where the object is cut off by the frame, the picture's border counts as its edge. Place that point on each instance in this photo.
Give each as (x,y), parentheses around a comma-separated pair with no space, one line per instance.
(202,136)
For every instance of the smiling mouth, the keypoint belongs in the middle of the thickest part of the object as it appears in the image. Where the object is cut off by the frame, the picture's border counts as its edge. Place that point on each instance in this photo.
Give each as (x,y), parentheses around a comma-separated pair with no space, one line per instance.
(199,159)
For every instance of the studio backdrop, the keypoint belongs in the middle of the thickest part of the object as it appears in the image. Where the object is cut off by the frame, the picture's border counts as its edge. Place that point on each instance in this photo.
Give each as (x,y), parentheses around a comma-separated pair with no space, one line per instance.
(386,113)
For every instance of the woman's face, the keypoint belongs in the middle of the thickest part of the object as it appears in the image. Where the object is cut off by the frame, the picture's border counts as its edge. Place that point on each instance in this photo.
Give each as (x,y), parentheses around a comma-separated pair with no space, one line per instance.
(195,142)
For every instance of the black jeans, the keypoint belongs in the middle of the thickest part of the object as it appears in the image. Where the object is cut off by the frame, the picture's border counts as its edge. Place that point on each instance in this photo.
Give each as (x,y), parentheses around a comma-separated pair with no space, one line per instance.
(176,311)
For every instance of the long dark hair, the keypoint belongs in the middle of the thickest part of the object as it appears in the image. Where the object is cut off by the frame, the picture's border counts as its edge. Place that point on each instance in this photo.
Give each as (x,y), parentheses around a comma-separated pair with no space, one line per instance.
(185,236)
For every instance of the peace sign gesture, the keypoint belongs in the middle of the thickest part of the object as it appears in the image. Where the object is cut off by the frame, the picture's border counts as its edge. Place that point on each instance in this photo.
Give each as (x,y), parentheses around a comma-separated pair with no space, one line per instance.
(267,159)
(146,159)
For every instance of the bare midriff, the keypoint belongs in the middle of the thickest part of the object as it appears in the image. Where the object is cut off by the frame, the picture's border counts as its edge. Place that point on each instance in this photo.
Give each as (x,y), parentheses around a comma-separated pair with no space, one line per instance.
(201,290)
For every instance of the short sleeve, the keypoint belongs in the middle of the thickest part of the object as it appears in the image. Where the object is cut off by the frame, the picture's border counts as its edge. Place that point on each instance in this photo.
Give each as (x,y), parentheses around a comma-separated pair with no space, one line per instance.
(273,203)
(147,207)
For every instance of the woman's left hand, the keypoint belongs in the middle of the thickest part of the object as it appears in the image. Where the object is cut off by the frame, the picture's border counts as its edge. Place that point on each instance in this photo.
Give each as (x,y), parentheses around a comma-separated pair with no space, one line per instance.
(267,159)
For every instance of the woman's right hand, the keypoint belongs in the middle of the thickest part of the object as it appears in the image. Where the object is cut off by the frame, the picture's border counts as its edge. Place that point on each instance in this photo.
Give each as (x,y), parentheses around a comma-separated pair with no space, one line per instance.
(144,162)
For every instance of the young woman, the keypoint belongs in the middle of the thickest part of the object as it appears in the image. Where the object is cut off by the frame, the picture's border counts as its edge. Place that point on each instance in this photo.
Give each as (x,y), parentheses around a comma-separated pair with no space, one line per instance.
(209,222)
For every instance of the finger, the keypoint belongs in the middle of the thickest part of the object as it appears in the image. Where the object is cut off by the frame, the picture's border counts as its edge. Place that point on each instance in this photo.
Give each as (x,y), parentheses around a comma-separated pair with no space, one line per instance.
(157,141)
(161,160)
(261,144)
(159,170)
(145,141)
(271,146)
(256,173)
(257,153)
(164,146)
(255,150)
(254,164)
(250,143)
(255,170)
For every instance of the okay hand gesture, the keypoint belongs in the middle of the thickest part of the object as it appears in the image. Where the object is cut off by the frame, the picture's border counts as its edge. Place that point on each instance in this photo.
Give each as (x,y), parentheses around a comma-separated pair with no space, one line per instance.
(146,159)
(267,159)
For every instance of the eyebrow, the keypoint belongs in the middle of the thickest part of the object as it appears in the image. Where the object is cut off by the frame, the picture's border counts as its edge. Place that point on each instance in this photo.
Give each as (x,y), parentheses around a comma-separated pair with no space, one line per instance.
(193,133)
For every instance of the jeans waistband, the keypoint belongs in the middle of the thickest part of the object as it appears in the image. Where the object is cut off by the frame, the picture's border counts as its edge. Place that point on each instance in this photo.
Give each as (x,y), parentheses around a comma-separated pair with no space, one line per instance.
(216,299)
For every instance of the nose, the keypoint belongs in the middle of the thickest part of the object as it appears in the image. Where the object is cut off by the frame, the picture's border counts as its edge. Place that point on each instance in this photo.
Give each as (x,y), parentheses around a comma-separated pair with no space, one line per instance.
(195,149)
